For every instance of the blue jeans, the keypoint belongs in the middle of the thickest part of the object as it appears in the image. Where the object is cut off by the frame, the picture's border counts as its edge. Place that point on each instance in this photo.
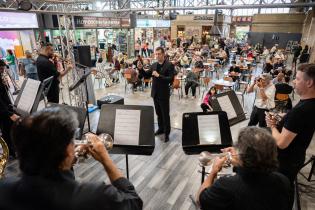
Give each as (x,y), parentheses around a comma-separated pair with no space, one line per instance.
(32,76)
(14,72)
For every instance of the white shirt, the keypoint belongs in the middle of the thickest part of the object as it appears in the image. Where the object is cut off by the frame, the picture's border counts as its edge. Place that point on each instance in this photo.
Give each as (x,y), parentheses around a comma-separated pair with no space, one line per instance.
(270,92)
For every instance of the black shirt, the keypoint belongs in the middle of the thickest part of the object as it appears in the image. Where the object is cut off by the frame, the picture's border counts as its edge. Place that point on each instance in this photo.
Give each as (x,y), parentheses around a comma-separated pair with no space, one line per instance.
(283,88)
(247,190)
(46,69)
(235,69)
(299,120)
(64,193)
(6,108)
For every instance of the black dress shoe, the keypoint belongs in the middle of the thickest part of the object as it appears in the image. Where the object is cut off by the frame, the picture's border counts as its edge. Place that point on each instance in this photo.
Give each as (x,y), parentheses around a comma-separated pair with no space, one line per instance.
(167,138)
(158,132)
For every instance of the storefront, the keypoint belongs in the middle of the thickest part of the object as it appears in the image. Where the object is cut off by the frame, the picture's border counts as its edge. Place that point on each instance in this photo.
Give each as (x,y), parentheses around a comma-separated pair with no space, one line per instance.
(240,27)
(17,32)
(186,26)
(151,31)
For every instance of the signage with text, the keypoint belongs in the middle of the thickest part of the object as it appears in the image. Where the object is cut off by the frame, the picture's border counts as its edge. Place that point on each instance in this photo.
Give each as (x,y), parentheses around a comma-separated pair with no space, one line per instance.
(242,19)
(100,22)
(203,17)
(18,20)
(143,23)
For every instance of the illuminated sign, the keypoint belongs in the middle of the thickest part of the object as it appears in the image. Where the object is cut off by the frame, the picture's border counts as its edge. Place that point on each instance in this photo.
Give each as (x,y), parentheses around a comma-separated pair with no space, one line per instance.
(18,20)
(100,22)
(148,23)
(203,17)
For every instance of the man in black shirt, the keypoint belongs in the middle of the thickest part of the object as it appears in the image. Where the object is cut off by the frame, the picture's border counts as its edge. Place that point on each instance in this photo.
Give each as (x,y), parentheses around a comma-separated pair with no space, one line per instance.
(256,184)
(46,69)
(234,71)
(162,77)
(7,115)
(46,152)
(294,132)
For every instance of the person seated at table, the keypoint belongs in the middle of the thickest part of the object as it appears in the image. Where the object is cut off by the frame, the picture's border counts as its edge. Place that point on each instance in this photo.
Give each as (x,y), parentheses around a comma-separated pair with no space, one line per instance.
(142,74)
(278,79)
(285,88)
(206,102)
(279,54)
(222,56)
(192,80)
(184,61)
(234,71)
(133,78)
(256,185)
(268,67)
(241,62)
(114,73)
(265,52)
(139,59)
(277,64)
(250,55)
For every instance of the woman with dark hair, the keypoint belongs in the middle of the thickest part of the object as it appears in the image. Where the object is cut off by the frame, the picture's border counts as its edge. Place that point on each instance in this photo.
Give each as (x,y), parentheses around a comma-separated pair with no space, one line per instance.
(256,184)
(46,151)
(11,62)
(206,103)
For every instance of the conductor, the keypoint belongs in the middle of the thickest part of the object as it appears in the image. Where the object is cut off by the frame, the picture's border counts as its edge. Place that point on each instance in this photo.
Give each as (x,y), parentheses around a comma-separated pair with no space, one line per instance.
(162,77)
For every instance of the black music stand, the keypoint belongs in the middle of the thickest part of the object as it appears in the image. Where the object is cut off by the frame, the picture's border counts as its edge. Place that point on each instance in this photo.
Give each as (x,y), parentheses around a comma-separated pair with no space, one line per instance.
(76,85)
(236,105)
(191,138)
(35,103)
(46,87)
(146,145)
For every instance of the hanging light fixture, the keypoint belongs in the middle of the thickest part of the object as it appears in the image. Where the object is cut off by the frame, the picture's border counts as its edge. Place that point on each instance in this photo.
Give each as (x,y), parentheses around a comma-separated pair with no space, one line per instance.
(25,5)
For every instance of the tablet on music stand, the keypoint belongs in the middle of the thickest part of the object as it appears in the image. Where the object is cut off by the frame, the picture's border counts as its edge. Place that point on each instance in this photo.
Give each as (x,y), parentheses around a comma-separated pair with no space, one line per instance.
(208,131)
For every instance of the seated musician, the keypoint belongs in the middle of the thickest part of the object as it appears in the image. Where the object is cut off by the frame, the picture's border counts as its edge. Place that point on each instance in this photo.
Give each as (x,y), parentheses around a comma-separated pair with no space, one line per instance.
(234,71)
(46,152)
(131,76)
(256,184)
(277,64)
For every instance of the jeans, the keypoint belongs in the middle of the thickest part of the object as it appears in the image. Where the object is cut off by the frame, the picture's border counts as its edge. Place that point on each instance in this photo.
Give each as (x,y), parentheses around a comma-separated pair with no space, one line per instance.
(32,76)
(13,71)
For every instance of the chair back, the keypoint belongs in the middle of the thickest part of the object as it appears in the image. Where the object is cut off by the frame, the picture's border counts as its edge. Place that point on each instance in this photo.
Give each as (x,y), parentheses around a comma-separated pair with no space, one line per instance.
(176,83)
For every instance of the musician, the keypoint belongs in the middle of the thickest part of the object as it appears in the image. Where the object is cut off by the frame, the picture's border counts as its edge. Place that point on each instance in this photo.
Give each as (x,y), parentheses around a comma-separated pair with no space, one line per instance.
(256,184)
(7,115)
(294,132)
(46,69)
(162,76)
(192,79)
(45,148)
(265,95)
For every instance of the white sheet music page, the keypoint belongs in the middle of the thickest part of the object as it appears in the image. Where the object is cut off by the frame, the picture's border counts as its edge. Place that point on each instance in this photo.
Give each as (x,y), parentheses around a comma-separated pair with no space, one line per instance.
(226,105)
(127,127)
(28,96)
(209,129)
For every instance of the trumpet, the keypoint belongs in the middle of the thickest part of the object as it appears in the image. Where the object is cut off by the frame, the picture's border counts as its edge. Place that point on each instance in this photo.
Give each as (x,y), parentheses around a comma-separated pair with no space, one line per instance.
(81,146)
(206,158)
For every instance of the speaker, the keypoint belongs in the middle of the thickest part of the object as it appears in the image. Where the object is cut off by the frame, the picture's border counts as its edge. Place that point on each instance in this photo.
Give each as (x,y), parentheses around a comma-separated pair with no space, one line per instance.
(82,55)
(133,20)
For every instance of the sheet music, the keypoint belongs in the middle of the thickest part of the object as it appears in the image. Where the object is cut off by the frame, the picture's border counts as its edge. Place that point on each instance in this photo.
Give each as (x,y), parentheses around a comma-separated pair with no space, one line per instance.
(28,96)
(226,105)
(127,127)
(209,129)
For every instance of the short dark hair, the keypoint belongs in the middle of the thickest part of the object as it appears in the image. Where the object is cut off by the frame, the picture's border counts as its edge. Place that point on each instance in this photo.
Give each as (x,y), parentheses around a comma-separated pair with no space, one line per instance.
(160,49)
(41,140)
(309,70)
(2,63)
(257,149)
(287,79)
(233,62)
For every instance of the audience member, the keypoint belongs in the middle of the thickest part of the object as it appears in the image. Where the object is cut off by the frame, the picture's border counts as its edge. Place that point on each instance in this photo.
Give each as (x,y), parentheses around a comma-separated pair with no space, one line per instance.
(206,102)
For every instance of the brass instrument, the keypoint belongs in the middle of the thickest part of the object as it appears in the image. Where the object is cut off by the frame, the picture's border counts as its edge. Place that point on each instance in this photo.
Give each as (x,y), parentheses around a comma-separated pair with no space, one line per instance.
(4,157)
(206,158)
(81,153)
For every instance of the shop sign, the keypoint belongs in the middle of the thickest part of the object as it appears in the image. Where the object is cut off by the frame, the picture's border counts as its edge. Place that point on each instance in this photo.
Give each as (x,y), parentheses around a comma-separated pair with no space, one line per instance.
(18,20)
(242,19)
(147,23)
(100,22)
(203,17)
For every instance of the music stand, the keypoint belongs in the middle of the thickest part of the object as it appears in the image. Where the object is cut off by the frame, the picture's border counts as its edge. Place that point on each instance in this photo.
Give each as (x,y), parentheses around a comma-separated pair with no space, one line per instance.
(76,85)
(146,144)
(35,102)
(192,139)
(229,103)
(46,87)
